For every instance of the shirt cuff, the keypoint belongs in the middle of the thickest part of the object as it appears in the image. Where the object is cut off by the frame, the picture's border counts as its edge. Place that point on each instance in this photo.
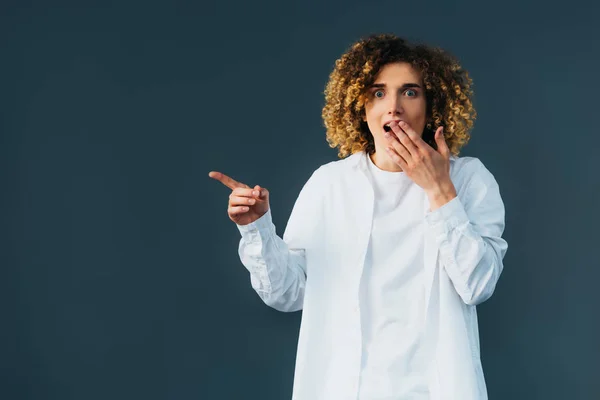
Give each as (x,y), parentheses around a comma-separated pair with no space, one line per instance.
(259,228)
(445,218)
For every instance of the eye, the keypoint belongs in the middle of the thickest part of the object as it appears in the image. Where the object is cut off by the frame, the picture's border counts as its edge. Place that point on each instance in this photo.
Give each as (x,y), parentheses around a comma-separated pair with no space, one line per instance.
(378,91)
(410,93)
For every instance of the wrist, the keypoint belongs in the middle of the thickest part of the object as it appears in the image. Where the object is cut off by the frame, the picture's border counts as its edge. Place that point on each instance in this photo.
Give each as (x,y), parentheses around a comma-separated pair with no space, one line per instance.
(441,195)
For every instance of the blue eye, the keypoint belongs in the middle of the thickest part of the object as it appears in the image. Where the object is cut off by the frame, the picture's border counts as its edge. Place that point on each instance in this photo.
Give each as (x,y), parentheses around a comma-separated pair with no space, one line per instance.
(411,91)
(378,91)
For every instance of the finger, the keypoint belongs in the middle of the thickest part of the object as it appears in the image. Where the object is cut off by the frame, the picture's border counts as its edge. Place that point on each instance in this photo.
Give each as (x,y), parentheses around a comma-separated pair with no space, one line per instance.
(257,192)
(241,201)
(404,138)
(397,158)
(262,193)
(237,210)
(226,180)
(441,142)
(401,150)
(244,192)
(415,138)
(392,139)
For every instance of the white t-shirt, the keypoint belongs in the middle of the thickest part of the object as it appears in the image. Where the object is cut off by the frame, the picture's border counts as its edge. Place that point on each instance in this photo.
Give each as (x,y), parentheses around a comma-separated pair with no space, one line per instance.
(392,291)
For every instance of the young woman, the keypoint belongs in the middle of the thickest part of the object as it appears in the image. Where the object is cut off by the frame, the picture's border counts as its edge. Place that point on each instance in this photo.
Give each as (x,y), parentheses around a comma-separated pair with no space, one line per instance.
(389,250)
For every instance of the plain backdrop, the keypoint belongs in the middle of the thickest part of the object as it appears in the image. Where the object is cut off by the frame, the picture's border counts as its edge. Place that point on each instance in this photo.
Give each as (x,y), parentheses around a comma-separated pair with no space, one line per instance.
(120,277)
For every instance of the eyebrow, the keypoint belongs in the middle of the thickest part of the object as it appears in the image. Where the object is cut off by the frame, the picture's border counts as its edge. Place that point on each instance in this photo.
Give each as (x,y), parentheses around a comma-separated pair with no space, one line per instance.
(405,86)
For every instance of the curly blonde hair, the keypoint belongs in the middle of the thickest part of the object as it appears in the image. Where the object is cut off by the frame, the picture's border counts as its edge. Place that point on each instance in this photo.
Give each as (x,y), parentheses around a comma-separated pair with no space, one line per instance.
(447,89)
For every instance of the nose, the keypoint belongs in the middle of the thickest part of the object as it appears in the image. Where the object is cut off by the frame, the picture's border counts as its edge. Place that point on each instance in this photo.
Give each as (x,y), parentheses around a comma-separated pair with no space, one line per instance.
(394,106)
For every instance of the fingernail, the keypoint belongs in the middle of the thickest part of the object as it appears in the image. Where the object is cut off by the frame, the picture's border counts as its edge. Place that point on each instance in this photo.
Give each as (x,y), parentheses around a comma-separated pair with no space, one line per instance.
(255,193)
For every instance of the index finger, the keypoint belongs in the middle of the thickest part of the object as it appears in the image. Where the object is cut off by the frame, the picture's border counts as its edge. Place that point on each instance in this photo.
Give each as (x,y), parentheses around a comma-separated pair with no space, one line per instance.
(412,134)
(226,180)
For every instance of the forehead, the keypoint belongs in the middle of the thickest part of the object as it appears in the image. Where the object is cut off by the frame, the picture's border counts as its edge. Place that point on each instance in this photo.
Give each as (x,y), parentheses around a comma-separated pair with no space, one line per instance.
(398,72)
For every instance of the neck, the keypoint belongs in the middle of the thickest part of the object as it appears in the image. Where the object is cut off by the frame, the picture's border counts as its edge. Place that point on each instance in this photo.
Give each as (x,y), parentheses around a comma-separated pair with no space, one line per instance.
(384,162)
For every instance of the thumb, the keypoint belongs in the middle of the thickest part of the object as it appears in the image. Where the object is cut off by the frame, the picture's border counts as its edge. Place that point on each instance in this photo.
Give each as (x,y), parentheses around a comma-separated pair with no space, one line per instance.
(441,142)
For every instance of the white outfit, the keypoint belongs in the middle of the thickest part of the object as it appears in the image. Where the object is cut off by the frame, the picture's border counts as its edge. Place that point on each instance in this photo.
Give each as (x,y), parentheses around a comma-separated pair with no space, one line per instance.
(392,291)
(379,319)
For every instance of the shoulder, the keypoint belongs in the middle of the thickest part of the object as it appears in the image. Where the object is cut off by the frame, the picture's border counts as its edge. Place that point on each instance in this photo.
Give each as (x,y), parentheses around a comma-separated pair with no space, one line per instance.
(475,183)
(470,169)
(321,177)
(334,168)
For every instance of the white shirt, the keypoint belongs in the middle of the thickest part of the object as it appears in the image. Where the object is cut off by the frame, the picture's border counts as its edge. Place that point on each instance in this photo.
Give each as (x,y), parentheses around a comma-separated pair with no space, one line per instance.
(392,291)
(318,266)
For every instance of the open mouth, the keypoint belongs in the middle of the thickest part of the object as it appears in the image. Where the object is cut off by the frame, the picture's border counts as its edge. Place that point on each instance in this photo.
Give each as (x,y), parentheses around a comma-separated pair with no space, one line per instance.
(387,128)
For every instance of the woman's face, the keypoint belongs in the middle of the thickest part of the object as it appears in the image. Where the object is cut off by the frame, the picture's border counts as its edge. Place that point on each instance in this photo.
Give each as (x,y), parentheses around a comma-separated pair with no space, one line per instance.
(396,94)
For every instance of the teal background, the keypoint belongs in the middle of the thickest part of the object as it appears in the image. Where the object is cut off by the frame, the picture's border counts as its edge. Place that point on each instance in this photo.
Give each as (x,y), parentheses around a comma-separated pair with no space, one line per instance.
(119,270)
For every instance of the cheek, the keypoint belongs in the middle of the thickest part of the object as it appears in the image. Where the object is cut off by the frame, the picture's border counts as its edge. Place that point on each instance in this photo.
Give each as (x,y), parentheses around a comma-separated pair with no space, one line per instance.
(417,107)
(370,109)
(371,117)
(418,115)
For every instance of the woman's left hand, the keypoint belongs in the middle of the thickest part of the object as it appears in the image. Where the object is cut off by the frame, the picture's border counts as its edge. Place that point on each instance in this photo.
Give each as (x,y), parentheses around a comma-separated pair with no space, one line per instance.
(428,168)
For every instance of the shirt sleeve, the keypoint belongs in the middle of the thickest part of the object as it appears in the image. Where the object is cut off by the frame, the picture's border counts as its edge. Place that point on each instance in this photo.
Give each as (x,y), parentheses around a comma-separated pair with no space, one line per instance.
(278,266)
(468,231)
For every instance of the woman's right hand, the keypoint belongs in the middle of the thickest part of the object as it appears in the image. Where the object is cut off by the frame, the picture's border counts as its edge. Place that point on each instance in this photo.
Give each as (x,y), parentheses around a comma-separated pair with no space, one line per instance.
(246,204)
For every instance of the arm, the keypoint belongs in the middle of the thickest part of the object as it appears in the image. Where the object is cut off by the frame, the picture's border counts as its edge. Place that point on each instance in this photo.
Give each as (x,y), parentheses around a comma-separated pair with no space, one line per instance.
(278,266)
(468,231)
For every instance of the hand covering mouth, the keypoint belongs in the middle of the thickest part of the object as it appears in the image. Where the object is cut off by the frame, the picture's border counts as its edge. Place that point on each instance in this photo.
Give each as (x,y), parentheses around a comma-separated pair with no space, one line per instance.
(387,127)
